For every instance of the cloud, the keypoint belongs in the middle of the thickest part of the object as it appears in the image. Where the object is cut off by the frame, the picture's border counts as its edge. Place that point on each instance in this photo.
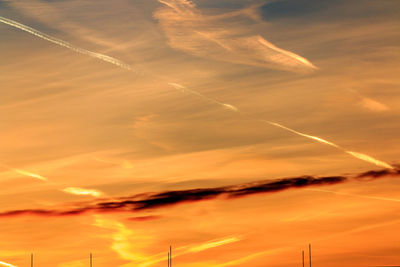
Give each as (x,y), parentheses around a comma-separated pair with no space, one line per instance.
(82,191)
(144,218)
(187,7)
(122,239)
(379,173)
(58,16)
(373,105)
(187,29)
(148,201)
(123,245)
(369,103)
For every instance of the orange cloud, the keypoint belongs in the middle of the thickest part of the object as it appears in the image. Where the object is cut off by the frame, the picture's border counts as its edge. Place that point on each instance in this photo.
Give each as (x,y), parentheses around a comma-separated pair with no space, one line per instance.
(148,201)
(82,191)
(191,31)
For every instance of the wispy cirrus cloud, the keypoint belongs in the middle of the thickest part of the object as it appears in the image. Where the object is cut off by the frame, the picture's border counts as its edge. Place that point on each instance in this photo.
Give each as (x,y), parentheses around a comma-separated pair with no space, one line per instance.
(373,105)
(149,201)
(189,30)
(186,6)
(122,236)
(55,14)
(122,244)
(369,103)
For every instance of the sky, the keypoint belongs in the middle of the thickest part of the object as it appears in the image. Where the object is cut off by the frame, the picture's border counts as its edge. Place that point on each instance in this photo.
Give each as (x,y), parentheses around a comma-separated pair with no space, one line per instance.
(238,132)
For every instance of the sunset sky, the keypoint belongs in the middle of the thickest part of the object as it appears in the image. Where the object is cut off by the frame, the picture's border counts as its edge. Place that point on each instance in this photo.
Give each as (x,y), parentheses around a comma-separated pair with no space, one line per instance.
(237,131)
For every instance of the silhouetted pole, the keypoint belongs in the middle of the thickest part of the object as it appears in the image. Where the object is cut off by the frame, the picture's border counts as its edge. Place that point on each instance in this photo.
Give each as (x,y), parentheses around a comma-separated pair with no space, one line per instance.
(303,257)
(170,256)
(32,260)
(309,252)
(91,260)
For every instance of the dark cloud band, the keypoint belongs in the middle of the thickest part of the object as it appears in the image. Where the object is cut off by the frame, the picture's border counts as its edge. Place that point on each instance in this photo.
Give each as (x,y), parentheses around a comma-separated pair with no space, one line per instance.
(149,201)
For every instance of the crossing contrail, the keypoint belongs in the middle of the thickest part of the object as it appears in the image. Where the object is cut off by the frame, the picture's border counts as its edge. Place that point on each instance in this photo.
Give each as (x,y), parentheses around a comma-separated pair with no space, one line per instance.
(182,88)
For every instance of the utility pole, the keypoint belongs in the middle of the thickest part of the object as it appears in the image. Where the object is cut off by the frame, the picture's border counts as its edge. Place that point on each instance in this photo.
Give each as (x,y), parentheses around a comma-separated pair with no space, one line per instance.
(303,257)
(91,260)
(309,252)
(32,260)
(170,256)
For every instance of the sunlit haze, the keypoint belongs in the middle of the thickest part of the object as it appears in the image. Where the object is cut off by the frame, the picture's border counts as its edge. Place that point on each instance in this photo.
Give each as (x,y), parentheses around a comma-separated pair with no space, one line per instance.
(237,132)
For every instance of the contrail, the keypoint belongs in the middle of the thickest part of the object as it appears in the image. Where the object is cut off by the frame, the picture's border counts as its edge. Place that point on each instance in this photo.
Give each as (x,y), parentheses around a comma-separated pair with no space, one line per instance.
(74,48)
(357,155)
(25,172)
(206,98)
(30,174)
(369,159)
(2,263)
(214,243)
(318,139)
(69,190)
(182,88)
(180,251)
(232,108)
(356,195)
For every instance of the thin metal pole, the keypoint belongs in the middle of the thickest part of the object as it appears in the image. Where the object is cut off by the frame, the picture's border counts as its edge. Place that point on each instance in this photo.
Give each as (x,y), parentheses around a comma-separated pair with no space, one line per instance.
(303,257)
(309,252)
(91,260)
(32,260)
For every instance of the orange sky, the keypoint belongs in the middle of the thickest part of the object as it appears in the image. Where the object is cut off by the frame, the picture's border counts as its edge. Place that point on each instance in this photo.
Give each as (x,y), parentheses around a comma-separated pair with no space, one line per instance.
(104,100)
